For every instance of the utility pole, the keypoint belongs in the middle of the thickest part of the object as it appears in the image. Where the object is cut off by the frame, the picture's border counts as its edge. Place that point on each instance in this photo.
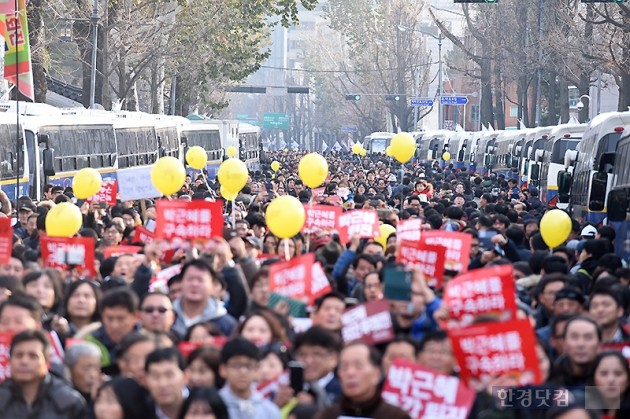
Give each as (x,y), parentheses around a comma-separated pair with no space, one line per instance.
(416,83)
(94,19)
(439,90)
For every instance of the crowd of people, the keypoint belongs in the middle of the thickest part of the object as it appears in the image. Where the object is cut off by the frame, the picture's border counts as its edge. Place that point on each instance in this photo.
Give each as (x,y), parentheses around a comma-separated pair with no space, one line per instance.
(206,344)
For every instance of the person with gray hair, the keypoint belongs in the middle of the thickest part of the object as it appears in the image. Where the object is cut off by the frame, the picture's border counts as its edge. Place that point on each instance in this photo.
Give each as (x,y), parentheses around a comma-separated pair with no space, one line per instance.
(83,366)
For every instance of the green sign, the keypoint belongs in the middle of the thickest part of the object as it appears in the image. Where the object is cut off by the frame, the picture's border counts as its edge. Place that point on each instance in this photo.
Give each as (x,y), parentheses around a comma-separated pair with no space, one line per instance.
(275,120)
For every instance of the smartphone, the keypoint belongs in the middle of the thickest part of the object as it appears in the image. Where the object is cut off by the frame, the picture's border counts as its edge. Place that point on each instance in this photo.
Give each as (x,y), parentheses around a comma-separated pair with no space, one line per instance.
(397,284)
(296,376)
(485,239)
(498,251)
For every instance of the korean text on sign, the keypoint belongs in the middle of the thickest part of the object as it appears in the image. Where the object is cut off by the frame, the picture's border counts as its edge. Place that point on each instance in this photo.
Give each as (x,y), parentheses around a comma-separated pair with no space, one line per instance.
(361,222)
(410,230)
(370,323)
(63,252)
(6,240)
(107,193)
(189,220)
(457,247)
(321,218)
(481,291)
(301,278)
(428,258)
(486,350)
(424,393)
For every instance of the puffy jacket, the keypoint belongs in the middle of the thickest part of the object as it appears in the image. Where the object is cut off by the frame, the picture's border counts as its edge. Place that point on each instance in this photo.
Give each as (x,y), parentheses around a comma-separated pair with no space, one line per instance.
(55,400)
(214,311)
(376,407)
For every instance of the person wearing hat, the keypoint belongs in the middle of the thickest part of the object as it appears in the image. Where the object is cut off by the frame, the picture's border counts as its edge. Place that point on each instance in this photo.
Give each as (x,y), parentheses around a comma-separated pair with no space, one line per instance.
(591,251)
(25,210)
(568,301)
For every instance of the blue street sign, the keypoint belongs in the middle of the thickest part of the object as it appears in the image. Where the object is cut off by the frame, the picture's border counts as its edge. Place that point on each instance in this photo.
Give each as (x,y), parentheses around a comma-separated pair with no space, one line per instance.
(453,100)
(349,129)
(420,101)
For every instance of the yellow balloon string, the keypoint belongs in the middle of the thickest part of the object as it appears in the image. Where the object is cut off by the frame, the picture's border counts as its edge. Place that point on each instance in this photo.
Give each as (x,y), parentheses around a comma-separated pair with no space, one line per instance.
(286,249)
(233,214)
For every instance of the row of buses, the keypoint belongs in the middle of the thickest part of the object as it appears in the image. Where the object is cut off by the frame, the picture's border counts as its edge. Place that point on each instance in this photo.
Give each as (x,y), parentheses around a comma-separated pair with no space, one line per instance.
(52,144)
(582,168)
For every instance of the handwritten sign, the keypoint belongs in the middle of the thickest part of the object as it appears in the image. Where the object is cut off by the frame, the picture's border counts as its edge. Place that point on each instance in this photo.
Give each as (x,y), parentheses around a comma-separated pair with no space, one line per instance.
(424,393)
(135,183)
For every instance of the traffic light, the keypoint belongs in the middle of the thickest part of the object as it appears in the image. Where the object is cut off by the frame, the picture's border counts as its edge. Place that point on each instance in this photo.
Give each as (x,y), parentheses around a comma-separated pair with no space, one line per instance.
(353,97)
(395,98)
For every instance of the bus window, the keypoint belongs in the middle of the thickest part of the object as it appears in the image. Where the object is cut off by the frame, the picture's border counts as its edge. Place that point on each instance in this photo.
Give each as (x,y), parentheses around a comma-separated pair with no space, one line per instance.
(560,148)
(598,191)
(535,171)
(564,186)
(617,205)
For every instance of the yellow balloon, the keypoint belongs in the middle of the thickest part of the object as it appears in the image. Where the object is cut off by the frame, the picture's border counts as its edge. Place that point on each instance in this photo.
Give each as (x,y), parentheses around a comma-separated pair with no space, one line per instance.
(555,227)
(285,216)
(356,148)
(86,183)
(446,156)
(227,195)
(231,151)
(196,157)
(313,170)
(388,151)
(386,231)
(403,147)
(63,220)
(232,175)
(275,166)
(362,152)
(168,175)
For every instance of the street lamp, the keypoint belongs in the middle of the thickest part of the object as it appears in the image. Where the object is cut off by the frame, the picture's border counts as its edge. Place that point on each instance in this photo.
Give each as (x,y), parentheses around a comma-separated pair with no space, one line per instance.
(439,38)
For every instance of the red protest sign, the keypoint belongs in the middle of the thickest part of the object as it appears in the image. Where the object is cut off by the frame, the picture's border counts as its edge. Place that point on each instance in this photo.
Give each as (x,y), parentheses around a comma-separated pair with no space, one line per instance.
(361,222)
(188,220)
(270,387)
(457,247)
(409,229)
(486,350)
(115,251)
(62,252)
(317,193)
(159,282)
(321,218)
(6,240)
(424,393)
(107,193)
(370,323)
(300,278)
(623,348)
(481,291)
(426,257)
(186,347)
(142,235)
(5,345)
